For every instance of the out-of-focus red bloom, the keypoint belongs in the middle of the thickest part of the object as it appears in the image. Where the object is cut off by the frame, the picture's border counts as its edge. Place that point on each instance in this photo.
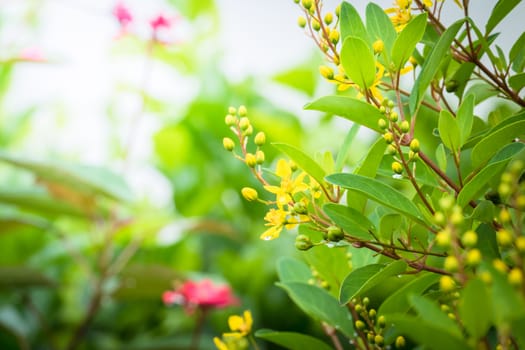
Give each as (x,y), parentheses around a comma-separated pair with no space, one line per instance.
(159,22)
(31,54)
(122,14)
(200,294)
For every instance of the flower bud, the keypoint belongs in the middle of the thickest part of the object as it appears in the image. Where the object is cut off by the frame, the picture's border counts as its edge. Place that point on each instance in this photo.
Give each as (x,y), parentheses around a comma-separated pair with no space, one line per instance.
(360,325)
(244,123)
(504,216)
(391,150)
(500,265)
(372,313)
(412,156)
(443,238)
(334,36)
(389,137)
(379,340)
(520,244)
(447,284)
(370,337)
(504,237)
(228,144)
(328,18)
(382,109)
(249,194)
(520,202)
(259,156)
(397,167)
(251,160)
(306,4)
(301,21)
(293,166)
(242,111)
(300,208)
(394,116)
(260,138)
(474,257)
(303,242)
(515,277)
(414,145)
(381,321)
(404,126)
(446,202)
(338,10)
(451,85)
(456,217)
(230,120)
(412,61)
(326,72)
(315,25)
(248,131)
(382,124)
(232,110)
(469,239)
(439,218)
(378,46)
(504,189)
(334,234)
(366,301)
(390,103)
(451,264)
(400,342)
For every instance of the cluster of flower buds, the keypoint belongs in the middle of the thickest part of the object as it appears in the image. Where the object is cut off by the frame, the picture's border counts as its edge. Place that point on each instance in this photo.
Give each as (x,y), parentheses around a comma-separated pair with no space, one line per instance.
(396,133)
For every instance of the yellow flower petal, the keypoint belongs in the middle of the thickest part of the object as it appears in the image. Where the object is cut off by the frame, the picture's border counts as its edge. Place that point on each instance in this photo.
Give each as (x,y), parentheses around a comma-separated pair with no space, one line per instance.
(220,344)
(272,233)
(283,169)
(248,320)
(235,322)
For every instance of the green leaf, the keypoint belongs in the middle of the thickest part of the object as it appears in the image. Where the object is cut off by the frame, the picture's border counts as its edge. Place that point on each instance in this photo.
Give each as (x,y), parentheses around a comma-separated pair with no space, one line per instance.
(330,263)
(380,26)
(38,201)
(485,212)
(432,64)
(499,12)
(351,24)
(441,157)
(398,301)
(303,161)
(495,140)
(353,222)
(345,148)
(358,283)
(449,131)
(293,270)
(23,277)
(422,332)
(388,225)
(301,78)
(358,61)
(481,92)
(477,184)
(320,305)
(475,308)
(517,82)
(291,340)
(433,315)
(407,40)
(465,119)
(350,108)
(517,54)
(81,178)
(377,191)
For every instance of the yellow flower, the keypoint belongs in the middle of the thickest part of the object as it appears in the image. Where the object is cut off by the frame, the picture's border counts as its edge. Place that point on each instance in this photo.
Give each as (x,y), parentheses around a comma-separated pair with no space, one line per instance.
(240,325)
(401,13)
(220,344)
(288,186)
(276,220)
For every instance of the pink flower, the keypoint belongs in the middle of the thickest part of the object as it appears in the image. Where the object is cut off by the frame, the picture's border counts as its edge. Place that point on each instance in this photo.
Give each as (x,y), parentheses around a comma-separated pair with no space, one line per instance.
(203,294)
(122,14)
(159,22)
(31,54)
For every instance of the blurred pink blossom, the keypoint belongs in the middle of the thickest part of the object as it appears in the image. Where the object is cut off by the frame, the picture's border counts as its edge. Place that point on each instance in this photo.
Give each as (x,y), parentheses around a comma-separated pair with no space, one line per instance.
(160,21)
(122,14)
(200,294)
(31,54)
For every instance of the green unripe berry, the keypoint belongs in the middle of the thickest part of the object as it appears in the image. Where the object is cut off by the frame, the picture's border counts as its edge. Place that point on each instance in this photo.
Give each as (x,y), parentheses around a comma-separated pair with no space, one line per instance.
(251,160)
(447,284)
(451,264)
(473,257)
(334,234)
(469,239)
(228,144)
(443,238)
(379,340)
(301,21)
(244,123)
(328,18)
(303,242)
(451,85)
(400,342)
(315,25)
(394,116)
(242,111)
(397,167)
(382,124)
(504,237)
(360,325)
(404,126)
(259,156)
(307,4)
(249,194)
(389,137)
(260,138)
(230,120)
(414,145)
(515,277)
(381,321)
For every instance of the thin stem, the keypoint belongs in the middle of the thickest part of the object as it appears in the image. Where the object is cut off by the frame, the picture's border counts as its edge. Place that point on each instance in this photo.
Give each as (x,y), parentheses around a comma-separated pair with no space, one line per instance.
(26,298)
(394,247)
(439,172)
(197,331)
(332,334)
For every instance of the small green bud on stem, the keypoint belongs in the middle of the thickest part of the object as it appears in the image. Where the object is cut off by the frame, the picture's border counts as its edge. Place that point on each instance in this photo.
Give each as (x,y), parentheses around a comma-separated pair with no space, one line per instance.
(228,144)
(251,160)
(249,194)
(303,242)
(260,138)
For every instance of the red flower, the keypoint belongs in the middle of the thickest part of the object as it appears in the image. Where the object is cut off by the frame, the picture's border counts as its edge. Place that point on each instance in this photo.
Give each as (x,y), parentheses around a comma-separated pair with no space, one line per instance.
(122,14)
(203,294)
(160,22)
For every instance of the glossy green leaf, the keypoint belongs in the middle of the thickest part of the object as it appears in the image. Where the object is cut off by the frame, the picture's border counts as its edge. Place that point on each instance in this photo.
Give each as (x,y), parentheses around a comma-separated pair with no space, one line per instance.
(301,78)
(499,12)
(430,310)
(380,27)
(517,82)
(82,178)
(441,157)
(422,332)
(345,147)
(481,92)
(465,118)
(377,191)
(303,161)
(350,108)
(293,270)
(407,40)
(398,301)
(475,308)
(388,224)
(331,264)
(320,305)
(350,23)
(358,61)
(23,277)
(350,220)
(517,54)
(432,64)
(449,131)
(495,140)
(291,340)
(477,184)
(485,211)
(359,281)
